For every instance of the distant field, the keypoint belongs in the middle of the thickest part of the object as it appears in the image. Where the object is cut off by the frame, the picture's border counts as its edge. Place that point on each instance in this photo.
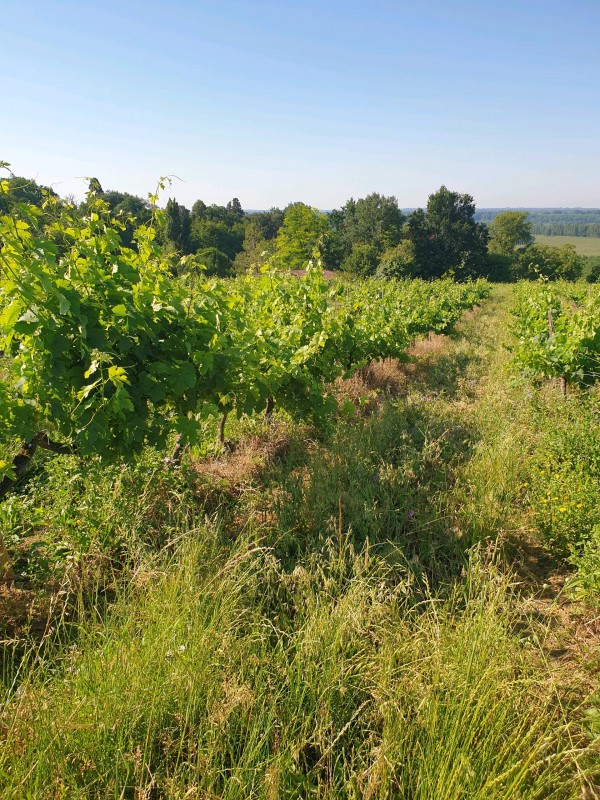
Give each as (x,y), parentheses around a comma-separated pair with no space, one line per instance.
(584,245)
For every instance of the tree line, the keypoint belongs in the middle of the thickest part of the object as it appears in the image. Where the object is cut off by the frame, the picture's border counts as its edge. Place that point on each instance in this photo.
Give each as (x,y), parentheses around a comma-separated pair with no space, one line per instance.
(370,236)
(590,229)
(553,221)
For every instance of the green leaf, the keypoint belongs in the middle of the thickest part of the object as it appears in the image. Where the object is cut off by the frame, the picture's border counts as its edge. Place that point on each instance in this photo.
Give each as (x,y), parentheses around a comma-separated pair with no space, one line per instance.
(184,378)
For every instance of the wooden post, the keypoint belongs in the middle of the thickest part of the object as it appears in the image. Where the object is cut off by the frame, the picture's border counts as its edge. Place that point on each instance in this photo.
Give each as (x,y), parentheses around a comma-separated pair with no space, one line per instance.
(563,385)
(269,409)
(222,428)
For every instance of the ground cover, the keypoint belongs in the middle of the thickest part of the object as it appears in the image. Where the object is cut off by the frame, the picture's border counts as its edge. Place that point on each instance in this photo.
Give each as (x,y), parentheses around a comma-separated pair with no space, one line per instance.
(375,611)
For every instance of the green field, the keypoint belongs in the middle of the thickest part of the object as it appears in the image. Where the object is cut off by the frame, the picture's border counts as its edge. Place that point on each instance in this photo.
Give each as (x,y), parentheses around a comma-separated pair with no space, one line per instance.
(585,245)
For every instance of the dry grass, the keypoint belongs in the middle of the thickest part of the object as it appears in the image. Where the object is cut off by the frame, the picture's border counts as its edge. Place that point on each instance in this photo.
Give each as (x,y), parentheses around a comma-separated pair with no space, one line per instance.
(240,467)
(390,378)
(24,613)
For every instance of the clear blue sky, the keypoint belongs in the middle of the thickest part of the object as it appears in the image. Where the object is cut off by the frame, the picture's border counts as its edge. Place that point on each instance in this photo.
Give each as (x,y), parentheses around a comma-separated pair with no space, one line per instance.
(279,101)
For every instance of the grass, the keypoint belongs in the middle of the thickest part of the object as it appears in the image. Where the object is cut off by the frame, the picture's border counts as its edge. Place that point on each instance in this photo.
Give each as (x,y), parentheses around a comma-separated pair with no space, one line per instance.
(369,614)
(584,245)
(203,683)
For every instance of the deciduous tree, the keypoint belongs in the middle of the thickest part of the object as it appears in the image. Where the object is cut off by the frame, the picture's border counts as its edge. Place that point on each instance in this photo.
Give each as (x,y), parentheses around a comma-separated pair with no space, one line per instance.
(300,233)
(509,230)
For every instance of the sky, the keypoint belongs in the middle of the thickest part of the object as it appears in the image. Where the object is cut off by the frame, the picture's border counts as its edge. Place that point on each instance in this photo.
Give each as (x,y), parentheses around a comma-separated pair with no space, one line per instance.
(275,102)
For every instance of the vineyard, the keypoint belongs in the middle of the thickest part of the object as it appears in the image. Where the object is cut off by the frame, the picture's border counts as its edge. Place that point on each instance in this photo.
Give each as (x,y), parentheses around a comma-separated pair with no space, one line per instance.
(106,350)
(277,536)
(558,332)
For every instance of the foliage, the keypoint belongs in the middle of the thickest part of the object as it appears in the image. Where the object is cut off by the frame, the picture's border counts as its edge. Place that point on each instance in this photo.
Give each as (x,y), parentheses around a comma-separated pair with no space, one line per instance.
(499,268)
(362,260)
(218,234)
(235,207)
(563,490)
(446,237)
(268,222)
(591,265)
(557,328)
(256,250)
(553,263)
(100,338)
(398,261)
(177,226)
(300,233)
(133,212)
(79,516)
(374,220)
(24,190)
(337,633)
(110,352)
(509,230)
(216,262)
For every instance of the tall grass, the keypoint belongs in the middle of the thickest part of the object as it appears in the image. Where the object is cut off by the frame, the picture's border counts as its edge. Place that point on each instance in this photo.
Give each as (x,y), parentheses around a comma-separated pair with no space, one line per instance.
(237,680)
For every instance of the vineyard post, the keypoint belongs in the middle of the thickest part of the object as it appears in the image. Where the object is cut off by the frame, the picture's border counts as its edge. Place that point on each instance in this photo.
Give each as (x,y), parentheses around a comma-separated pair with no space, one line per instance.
(222,428)
(269,409)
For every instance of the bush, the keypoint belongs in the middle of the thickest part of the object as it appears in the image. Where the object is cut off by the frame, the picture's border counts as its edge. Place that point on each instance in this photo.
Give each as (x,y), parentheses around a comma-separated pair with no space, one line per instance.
(362,261)
(398,261)
(542,260)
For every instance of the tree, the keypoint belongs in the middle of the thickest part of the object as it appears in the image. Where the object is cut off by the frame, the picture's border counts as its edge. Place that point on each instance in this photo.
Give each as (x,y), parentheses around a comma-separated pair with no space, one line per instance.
(95,187)
(132,210)
(220,227)
(268,221)
(554,263)
(235,207)
(177,228)
(221,234)
(591,265)
(509,230)
(300,233)
(25,190)
(374,220)
(424,245)
(198,209)
(447,238)
(256,250)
